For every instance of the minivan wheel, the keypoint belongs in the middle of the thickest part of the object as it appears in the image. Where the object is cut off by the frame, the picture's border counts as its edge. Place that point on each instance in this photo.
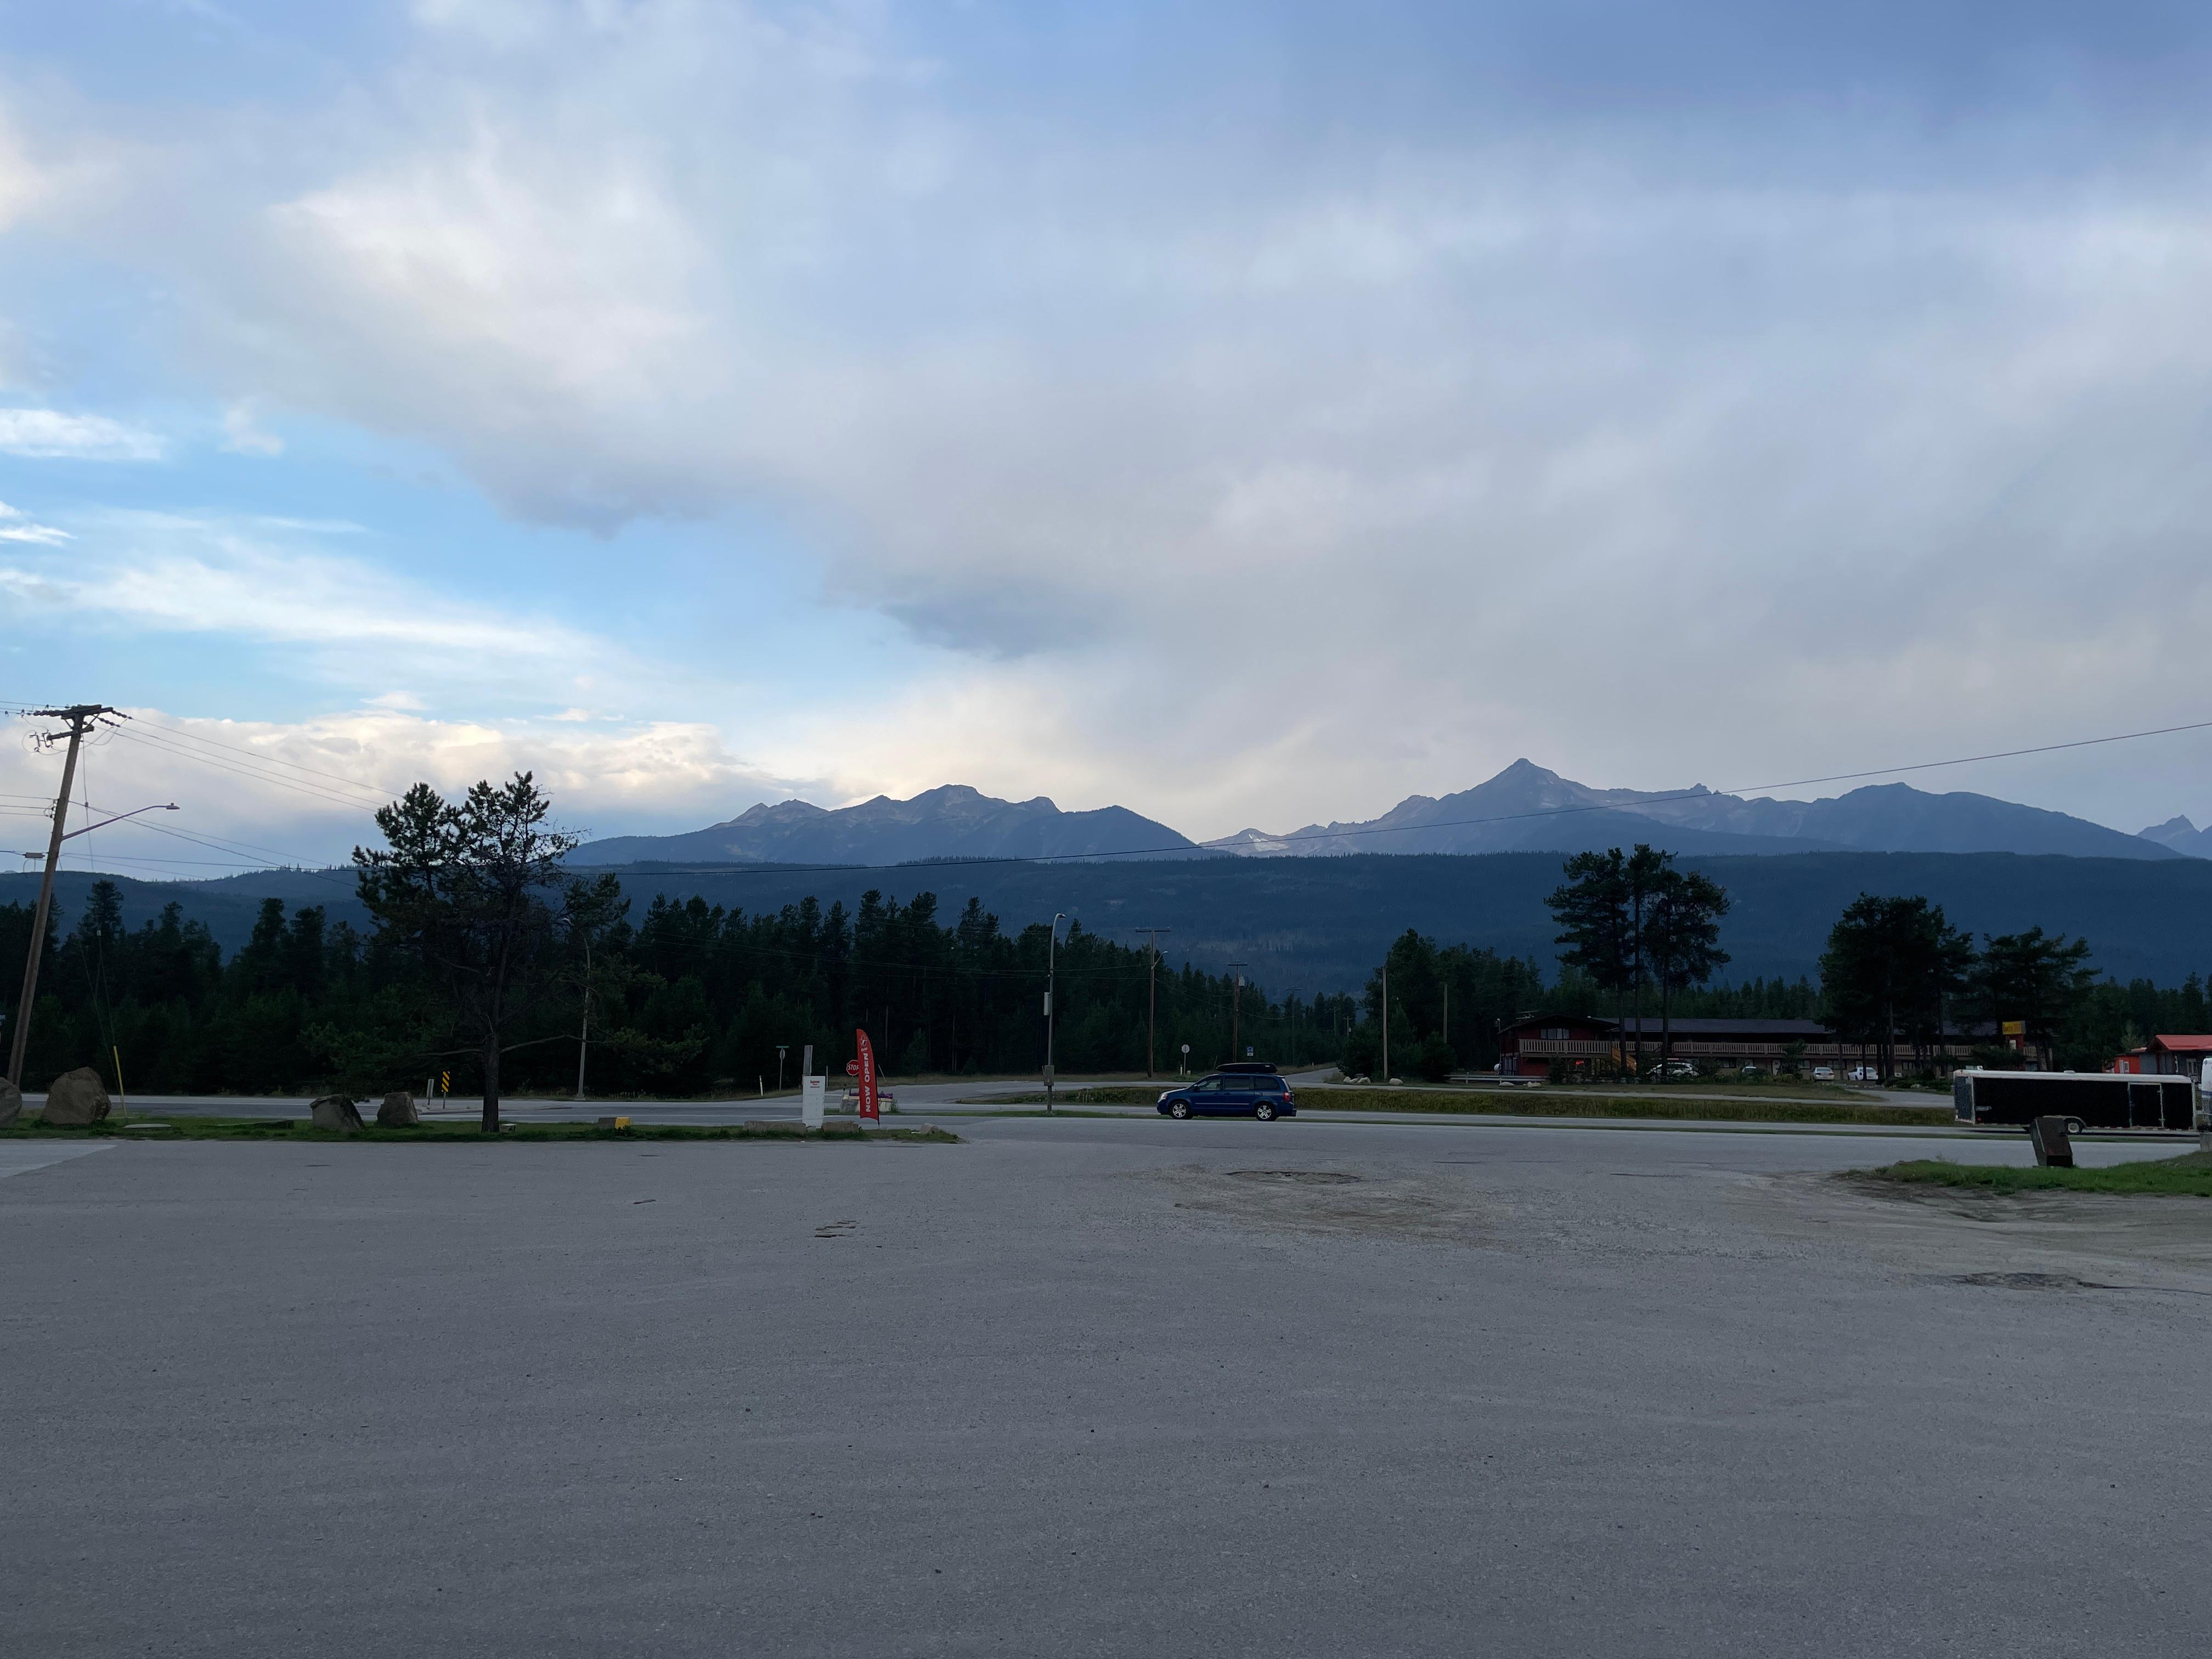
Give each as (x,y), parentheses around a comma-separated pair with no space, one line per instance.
(1178,1108)
(1265,1111)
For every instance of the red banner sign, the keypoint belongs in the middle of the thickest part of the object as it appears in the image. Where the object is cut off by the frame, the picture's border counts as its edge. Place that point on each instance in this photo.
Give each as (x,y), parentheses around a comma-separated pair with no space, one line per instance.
(870,1105)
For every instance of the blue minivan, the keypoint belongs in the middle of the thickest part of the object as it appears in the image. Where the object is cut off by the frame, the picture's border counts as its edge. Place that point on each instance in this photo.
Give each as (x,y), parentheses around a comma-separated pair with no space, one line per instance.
(1233,1091)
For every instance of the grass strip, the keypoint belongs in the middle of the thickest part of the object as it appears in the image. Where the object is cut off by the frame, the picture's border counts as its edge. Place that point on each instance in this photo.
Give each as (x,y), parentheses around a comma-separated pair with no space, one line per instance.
(287,1129)
(1534,1104)
(2187,1176)
(1112,1095)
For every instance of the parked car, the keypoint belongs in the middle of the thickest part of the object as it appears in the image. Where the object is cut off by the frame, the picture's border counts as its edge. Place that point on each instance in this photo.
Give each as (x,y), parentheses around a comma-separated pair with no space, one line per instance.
(1752,1071)
(1823,1074)
(1263,1095)
(1675,1068)
(1864,1074)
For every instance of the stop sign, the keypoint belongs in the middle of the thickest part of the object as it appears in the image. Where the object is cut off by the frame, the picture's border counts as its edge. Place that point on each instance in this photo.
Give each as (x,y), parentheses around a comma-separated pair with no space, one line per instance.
(851,1068)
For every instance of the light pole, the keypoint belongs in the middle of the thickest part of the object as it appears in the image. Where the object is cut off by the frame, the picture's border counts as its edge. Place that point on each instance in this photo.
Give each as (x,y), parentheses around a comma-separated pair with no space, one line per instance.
(80,719)
(1051,974)
(584,1038)
(1235,1007)
(1151,992)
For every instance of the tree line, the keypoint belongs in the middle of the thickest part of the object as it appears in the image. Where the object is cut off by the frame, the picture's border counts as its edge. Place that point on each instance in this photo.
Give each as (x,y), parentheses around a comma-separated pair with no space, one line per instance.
(1896,978)
(488,958)
(491,965)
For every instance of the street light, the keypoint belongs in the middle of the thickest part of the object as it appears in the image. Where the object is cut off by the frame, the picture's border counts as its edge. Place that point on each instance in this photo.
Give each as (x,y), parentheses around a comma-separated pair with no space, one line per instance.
(52,859)
(1051,972)
(1236,1006)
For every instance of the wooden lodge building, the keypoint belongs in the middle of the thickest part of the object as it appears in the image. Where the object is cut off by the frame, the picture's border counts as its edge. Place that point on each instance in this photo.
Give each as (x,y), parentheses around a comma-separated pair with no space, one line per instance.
(1558,1045)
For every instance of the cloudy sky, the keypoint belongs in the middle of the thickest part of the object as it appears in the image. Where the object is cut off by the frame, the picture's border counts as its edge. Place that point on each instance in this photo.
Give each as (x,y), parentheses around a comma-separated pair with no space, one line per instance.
(1247,413)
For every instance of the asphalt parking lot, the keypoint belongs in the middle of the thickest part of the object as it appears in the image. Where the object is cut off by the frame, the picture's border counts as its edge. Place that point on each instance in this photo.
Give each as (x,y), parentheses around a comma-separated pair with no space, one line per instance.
(1110,1386)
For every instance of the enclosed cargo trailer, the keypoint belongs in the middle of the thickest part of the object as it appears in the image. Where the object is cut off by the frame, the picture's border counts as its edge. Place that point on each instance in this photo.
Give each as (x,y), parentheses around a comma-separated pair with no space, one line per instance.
(2087,1100)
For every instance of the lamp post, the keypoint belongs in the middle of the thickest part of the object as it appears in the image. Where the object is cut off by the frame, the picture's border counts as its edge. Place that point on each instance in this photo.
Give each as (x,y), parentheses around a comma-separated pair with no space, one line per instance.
(584,1036)
(80,719)
(1151,992)
(1051,976)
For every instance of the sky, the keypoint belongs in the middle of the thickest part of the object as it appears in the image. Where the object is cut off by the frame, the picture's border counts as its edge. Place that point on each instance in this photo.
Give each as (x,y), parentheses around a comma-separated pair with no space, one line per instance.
(1248,414)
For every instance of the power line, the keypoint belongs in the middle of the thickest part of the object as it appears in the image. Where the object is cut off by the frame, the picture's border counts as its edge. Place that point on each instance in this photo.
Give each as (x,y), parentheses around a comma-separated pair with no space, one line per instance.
(267,759)
(238,769)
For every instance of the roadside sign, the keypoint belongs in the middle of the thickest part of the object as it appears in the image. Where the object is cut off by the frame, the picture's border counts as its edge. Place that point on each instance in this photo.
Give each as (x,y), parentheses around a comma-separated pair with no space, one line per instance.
(813,1101)
(2014,1028)
(851,1068)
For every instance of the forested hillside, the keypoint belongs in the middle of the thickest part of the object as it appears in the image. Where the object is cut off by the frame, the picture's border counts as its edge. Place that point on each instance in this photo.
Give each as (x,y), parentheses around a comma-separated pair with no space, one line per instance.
(693,998)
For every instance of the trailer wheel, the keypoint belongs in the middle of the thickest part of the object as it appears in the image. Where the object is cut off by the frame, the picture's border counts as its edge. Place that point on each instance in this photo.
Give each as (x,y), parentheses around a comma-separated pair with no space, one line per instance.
(2074,1125)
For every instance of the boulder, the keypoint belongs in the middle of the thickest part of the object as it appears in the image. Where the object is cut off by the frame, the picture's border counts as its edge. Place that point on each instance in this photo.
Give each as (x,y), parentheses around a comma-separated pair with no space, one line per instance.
(397,1111)
(336,1112)
(11,1102)
(77,1100)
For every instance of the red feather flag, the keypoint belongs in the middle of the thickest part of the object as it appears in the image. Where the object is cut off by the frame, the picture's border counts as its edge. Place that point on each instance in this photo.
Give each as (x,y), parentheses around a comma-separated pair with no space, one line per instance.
(870,1105)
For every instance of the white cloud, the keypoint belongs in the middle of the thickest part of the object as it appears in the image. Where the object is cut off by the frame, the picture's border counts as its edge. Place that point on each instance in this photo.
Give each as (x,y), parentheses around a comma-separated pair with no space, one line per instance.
(164,572)
(1248,482)
(49,434)
(305,792)
(14,527)
(242,436)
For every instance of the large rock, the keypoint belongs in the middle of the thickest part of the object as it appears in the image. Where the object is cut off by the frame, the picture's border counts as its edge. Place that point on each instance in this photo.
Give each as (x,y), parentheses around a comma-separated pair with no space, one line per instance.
(336,1112)
(77,1100)
(397,1111)
(11,1102)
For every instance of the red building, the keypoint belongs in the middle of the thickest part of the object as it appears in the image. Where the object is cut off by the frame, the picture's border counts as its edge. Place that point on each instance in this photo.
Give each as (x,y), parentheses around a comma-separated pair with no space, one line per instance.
(1546,1045)
(2184,1055)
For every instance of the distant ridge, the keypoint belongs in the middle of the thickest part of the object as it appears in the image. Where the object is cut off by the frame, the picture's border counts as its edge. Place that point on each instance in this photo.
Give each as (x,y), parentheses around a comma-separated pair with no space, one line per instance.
(2181,836)
(953,822)
(1526,808)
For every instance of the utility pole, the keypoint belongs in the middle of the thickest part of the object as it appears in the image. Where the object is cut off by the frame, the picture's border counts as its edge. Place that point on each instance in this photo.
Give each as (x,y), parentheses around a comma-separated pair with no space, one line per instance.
(1236,1009)
(80,717)
(1151,993)
(1051,973)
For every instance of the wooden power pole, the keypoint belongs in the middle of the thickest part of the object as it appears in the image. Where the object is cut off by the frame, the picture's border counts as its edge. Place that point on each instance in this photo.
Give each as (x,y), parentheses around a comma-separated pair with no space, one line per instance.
(80,718)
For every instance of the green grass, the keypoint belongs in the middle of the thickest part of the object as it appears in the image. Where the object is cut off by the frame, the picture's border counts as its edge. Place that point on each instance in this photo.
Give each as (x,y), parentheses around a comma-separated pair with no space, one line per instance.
(1574,1103)
(1141,1095)
(288,1129)
(1536,1104)
(1801,1088)
(2187,1176)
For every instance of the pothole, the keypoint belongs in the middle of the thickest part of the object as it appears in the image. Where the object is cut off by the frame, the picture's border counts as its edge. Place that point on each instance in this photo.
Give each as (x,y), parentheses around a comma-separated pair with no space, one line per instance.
(1304,1177)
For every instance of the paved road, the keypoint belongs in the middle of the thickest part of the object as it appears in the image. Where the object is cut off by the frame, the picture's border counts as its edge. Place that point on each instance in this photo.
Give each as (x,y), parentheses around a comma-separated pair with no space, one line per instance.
(1093,1386)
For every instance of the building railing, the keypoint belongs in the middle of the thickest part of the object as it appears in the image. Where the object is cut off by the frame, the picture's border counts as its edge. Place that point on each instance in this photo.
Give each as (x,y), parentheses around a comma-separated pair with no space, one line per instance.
(1698,1049)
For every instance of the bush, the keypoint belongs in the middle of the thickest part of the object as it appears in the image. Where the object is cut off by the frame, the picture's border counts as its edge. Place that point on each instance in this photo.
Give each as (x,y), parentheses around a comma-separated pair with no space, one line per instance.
(1433,1061)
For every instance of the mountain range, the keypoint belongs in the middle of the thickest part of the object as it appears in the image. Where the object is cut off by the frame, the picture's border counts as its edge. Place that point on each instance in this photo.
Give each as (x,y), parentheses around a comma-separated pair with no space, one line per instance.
(954,822)
(2183,836)
(1525,808)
